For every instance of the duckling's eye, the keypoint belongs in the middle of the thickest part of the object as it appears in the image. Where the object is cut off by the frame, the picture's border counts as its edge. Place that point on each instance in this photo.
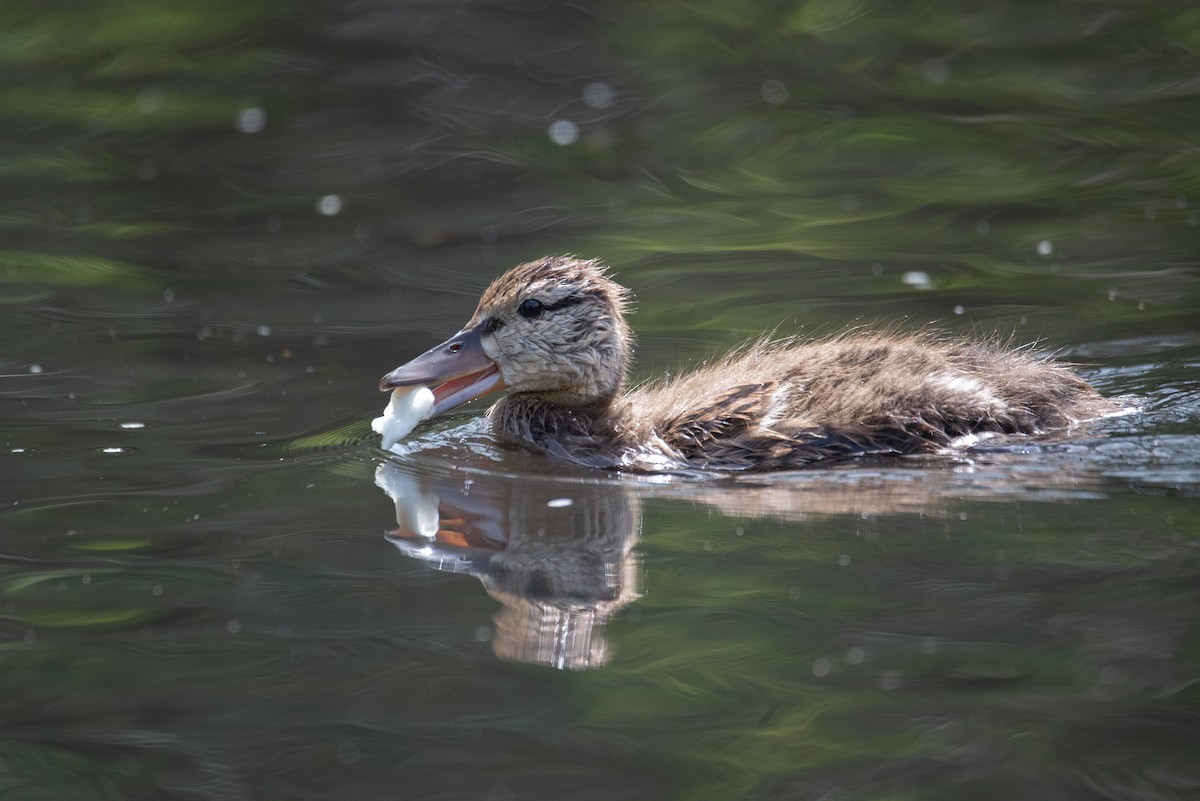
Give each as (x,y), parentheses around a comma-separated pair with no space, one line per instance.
(530,308)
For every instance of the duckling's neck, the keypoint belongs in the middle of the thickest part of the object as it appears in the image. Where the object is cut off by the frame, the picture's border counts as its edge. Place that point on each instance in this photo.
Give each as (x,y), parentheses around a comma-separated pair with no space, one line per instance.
(592,434)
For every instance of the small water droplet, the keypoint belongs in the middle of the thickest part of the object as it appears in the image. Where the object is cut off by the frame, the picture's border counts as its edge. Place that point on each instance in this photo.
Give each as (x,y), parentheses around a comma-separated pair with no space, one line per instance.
(563,132)
(598,94)
(348,753)
(329,205)
(251,120)
(917,279)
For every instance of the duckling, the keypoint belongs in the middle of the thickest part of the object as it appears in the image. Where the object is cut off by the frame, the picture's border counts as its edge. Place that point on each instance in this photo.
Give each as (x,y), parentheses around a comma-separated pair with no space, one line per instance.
(553,333)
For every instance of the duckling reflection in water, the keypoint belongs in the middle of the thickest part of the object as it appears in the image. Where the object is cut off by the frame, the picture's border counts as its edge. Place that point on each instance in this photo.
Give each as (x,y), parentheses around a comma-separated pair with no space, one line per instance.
(560,567)
(553,333)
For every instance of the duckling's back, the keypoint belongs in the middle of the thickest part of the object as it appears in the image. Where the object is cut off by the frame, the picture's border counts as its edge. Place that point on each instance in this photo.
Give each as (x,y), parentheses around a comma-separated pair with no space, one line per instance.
(787,404)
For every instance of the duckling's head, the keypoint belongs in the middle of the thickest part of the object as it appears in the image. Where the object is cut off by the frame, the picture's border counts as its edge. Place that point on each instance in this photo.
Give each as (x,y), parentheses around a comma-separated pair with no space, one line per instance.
(553,329)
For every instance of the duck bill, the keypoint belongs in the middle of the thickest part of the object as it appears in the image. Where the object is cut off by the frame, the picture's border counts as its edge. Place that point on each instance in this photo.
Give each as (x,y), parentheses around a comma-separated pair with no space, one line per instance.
(457,371)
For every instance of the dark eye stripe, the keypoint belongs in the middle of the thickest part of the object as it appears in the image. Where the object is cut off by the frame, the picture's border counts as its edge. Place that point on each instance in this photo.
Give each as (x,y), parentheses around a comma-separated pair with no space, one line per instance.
(491,325)
(569,300)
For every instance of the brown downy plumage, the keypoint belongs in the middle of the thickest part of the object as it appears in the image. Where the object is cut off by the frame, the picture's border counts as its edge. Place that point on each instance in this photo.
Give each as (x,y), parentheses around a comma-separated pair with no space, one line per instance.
(553,332)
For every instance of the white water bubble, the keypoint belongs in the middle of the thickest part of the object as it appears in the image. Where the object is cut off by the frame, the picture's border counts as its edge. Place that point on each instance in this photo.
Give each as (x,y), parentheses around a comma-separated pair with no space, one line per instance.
(563,132)
(599,94)
(251,120)
(132,425)
(559,503)
(35,369)
(1045,248)
(329,205)
(917,279)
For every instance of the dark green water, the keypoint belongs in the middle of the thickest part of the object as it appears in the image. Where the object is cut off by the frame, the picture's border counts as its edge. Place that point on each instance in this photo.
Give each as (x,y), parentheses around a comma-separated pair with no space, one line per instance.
(222,222)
